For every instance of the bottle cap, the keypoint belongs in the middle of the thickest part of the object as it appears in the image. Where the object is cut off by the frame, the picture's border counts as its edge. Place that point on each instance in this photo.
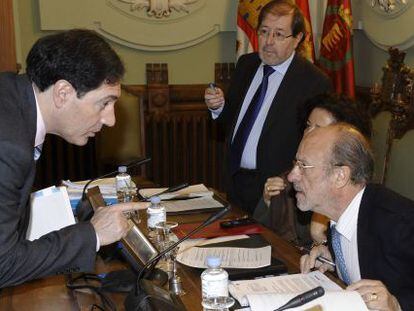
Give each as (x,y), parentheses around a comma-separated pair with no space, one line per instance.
(122,169)
(155,200)
(213,261)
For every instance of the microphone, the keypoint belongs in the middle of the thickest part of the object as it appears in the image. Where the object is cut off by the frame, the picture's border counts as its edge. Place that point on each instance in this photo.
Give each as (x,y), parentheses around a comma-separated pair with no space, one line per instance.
(302,299)
(84,210)
(134,301)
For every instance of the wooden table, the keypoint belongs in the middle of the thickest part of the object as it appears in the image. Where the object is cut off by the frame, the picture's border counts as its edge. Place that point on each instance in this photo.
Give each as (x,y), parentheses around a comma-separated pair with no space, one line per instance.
(51,293)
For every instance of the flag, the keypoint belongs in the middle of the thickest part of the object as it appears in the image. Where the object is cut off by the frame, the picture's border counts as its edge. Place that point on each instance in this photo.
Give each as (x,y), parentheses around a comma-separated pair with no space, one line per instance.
(307,49)
(336,46)
(247,15)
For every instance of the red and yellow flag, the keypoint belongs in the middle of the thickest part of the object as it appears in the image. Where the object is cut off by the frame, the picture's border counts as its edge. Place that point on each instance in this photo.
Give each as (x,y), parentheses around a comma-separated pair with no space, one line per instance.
(336,46)
(247,15)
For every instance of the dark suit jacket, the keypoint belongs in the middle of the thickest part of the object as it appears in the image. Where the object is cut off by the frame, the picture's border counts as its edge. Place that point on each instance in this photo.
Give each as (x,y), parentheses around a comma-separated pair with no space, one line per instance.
(281,131)
(68,250)
(386,241)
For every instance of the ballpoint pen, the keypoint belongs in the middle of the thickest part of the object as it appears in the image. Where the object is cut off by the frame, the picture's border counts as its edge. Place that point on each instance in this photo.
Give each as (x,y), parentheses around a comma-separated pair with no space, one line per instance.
(319,258)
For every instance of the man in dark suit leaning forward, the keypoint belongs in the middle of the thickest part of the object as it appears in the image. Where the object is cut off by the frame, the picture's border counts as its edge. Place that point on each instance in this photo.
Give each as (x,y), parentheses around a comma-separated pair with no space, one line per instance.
(260,109)
(372,227)
(71,86)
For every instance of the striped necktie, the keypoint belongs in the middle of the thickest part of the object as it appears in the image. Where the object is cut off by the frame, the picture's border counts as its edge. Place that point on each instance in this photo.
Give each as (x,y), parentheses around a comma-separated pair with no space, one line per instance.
(37,151)
(340,261)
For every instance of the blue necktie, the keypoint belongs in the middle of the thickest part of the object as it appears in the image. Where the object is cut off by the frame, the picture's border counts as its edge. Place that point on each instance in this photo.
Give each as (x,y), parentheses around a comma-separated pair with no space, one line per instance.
(245,126)
(37,152)
(340,261)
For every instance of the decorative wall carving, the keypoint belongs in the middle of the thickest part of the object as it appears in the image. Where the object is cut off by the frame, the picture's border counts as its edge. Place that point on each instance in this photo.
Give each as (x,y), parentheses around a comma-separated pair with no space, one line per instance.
(134,23)
(160,8)
(388,29)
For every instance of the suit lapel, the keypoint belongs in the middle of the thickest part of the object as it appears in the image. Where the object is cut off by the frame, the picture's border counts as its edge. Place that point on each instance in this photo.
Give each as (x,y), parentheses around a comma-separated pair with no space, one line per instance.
(366,249)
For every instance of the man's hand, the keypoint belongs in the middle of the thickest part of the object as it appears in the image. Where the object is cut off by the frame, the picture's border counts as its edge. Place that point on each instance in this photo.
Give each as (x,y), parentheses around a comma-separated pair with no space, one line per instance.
(375,295)
(214,98)
(110,223)
(272,187)
(308,262)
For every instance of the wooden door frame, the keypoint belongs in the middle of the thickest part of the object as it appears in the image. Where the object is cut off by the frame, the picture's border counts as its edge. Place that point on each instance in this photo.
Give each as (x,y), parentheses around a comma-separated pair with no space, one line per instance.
(8,60)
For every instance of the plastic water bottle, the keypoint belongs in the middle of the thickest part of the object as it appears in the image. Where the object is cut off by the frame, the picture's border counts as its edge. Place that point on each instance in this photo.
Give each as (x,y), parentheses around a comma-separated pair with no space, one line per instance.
(155,213)
(123,185)
(214,283)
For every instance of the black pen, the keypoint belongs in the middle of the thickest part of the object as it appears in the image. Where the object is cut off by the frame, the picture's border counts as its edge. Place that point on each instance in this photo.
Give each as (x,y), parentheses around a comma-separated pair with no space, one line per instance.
(319,258)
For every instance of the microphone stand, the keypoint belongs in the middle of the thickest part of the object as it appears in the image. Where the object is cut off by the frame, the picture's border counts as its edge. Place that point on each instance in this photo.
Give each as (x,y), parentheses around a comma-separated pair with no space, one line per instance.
(84,210)
(136,298)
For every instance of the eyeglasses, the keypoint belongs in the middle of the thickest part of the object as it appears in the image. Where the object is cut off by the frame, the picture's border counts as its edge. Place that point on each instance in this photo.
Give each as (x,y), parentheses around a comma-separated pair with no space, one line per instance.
(302,166)
(276,35)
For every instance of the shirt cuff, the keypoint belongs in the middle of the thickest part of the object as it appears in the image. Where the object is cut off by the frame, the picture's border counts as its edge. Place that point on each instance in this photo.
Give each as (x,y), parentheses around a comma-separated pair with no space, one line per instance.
(98,244)
(215,113)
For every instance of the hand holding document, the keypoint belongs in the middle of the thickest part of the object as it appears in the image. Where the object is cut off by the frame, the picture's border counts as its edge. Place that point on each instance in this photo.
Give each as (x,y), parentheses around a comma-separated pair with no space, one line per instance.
(268,294)
(49,211)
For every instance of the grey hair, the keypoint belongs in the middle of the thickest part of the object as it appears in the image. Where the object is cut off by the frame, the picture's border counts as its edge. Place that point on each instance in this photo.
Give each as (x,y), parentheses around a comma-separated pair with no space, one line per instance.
(352,149)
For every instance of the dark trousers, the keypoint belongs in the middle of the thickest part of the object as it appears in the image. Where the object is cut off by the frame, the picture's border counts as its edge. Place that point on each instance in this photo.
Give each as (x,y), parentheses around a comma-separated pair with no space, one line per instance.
(246,189)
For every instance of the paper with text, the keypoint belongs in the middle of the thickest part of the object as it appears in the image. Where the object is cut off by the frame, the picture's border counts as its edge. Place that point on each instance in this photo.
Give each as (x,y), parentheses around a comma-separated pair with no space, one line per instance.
(193,190)
(191,204)
(285,284)
(231,257)
(331,301)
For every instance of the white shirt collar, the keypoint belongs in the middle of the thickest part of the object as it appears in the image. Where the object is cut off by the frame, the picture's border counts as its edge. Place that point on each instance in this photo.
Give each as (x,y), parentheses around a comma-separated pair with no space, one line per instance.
(283,67)
(347,222)
(40,125)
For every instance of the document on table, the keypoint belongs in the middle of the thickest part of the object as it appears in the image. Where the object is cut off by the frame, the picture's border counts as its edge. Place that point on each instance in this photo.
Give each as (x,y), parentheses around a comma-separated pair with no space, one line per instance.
(231,257)
(193,190)
(191,204)
(331,301)
(285,284)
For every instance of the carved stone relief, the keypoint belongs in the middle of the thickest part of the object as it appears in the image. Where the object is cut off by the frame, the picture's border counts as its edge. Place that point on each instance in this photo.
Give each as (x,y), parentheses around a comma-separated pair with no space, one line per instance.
(151,25)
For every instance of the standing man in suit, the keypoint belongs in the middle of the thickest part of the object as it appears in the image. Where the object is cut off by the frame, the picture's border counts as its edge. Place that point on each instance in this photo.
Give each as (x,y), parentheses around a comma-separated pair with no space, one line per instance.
(372,227)
(260,109)
(70,89)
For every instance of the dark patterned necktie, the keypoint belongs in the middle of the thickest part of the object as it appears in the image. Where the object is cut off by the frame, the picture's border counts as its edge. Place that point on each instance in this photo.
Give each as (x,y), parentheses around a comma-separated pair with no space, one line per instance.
(248,120)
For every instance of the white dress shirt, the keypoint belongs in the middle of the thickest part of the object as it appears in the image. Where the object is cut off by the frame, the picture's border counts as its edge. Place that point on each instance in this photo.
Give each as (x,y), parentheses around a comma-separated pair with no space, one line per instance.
(347,226)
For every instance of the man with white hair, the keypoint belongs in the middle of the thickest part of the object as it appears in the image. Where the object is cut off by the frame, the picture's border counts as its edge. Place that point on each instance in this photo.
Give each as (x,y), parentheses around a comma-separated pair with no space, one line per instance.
(372,227)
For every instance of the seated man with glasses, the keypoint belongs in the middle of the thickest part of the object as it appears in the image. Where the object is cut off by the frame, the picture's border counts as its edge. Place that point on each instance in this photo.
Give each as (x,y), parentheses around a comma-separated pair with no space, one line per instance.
(259,112)
(277,210)
(372,227)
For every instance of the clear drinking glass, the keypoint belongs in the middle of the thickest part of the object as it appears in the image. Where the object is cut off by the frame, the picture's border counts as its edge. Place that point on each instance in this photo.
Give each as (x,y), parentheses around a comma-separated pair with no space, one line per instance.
(221,303)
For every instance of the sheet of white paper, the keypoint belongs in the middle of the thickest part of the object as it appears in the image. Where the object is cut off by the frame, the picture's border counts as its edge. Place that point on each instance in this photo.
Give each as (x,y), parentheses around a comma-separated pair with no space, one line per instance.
(285,284)
(199,242)
(193,190)
(49,211)
(331,301)
(231,257)
(191,204)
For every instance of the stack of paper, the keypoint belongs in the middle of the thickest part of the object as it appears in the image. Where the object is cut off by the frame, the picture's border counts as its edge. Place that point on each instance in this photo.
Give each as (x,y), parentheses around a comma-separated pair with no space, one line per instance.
(106,186)
(268,294)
